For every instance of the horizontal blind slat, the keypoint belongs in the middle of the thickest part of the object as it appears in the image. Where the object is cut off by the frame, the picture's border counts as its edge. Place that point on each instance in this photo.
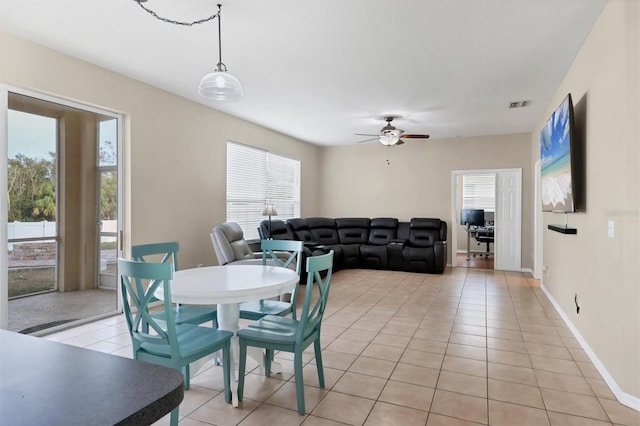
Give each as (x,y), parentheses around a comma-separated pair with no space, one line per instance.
(255,177)
(478,191)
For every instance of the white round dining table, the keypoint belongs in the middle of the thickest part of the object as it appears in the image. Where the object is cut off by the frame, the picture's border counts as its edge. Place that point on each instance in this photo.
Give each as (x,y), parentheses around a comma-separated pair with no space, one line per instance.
(230,283)
(227,286)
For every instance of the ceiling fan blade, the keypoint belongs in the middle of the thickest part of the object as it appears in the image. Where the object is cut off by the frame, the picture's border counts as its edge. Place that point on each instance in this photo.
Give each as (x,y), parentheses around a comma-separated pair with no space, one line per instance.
(400,142)
(415,136)
(368,140)
(365,134)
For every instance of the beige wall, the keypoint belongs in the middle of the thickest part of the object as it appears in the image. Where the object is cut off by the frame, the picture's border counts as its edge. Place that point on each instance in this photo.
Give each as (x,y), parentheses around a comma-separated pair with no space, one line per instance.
(357,181)
(175,149)
(603,271)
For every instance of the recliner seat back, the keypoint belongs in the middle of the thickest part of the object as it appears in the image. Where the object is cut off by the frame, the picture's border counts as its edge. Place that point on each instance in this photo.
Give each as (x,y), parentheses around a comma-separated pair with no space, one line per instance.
(383,230)
(323,230)
(229,243)
(300,229)
(353,230)
(425,232)
(279,230)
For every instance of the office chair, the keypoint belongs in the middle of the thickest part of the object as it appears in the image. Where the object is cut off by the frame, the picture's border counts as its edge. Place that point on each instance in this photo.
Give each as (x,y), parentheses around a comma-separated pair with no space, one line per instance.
(485,238)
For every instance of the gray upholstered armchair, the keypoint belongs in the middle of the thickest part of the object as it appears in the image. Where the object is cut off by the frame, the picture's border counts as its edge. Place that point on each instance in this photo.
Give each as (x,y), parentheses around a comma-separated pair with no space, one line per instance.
(230,246)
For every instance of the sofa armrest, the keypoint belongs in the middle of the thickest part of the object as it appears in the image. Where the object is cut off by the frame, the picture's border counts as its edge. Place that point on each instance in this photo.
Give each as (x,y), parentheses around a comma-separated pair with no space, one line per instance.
(440,252)
(256,261)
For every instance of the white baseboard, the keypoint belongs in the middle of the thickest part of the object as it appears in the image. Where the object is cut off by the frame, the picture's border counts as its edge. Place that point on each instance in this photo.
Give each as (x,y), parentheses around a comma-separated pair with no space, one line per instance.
(623,397)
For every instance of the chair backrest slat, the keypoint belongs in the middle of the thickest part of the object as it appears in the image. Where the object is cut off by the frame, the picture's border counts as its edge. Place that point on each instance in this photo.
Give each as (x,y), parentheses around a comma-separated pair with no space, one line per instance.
(143,327)
(169,250)
(145,253)
(311,315)
(270,249)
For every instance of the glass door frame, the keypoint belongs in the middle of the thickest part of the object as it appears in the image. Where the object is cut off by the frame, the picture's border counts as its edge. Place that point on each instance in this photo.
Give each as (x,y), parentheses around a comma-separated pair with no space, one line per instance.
(4,107)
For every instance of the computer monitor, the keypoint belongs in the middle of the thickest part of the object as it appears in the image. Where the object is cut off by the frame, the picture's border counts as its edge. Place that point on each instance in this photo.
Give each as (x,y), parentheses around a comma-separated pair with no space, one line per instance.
(472,217)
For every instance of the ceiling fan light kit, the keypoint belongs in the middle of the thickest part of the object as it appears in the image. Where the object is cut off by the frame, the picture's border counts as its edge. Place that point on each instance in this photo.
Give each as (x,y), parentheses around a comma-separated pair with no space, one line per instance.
(390,135)
(388,139)
(218,85)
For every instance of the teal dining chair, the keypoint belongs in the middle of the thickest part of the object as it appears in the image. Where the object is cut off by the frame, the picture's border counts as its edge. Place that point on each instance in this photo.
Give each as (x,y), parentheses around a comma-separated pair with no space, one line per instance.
(280,253)
(275,333)
(167,252)
(165,342)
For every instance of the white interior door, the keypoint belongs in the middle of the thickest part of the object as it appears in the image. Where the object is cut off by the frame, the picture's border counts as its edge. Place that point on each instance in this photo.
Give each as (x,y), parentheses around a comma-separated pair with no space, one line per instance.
(508,219)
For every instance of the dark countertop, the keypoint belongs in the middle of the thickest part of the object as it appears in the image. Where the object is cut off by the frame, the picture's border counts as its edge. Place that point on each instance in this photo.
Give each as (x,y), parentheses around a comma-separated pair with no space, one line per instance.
(45,382)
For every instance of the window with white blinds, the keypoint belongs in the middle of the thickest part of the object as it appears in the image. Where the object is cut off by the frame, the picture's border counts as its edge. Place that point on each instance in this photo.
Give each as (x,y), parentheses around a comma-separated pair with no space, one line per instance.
(256,177)
(479,191)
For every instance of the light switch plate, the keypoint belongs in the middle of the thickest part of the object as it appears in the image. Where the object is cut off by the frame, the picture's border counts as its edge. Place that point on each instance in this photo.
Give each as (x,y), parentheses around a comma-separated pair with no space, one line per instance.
(611,229)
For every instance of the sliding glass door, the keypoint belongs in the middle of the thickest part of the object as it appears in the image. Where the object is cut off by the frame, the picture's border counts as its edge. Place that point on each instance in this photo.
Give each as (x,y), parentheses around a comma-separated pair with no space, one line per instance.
(63,215)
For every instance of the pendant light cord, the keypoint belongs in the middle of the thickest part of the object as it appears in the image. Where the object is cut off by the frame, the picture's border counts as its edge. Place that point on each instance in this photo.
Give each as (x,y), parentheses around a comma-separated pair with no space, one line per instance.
(219,14)
(171,21)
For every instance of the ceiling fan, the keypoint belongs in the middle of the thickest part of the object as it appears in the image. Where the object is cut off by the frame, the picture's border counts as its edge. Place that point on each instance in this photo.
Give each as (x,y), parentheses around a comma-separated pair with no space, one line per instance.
(390,135)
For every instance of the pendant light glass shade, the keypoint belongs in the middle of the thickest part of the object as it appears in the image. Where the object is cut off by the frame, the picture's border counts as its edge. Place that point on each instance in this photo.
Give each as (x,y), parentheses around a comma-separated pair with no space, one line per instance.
(220,86)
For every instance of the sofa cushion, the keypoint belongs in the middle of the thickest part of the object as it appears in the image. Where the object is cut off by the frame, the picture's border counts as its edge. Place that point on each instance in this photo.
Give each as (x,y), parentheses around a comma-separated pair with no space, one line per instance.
(300,229)
(383,230)
(279,230)
(374,256)
(353,230)
(350,254)
(424,232)
(418,259)
(323,230)
(229,244)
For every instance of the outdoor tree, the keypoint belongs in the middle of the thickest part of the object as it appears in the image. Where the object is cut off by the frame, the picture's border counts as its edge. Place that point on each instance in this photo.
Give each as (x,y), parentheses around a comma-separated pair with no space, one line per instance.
(109,196)
(109,193)
(31,189)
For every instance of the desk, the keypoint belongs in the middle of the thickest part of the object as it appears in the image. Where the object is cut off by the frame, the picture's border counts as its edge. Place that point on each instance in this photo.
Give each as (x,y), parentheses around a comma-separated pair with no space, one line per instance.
(228,286)
(46,382)
(477,230)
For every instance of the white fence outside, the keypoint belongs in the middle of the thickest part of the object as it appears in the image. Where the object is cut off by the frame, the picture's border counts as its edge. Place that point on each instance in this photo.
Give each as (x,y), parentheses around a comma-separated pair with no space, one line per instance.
(46,229)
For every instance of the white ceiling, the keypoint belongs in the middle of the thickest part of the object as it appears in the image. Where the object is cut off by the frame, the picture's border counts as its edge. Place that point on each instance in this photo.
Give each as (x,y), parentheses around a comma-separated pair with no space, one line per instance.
(321,71)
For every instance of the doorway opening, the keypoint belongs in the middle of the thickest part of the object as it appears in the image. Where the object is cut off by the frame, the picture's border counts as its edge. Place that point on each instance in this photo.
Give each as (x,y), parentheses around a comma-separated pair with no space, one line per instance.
(62,213)
(475,202)
(495,195)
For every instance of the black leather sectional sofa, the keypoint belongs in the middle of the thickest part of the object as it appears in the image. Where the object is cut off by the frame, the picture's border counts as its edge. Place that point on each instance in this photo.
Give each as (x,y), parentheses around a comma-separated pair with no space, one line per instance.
(419,245)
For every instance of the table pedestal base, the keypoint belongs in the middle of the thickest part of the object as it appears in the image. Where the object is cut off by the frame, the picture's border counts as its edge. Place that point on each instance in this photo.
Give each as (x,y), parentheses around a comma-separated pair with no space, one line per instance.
(229,319)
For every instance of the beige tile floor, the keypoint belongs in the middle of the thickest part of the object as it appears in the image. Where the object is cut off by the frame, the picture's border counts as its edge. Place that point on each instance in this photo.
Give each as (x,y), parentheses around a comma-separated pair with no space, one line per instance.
(467,347)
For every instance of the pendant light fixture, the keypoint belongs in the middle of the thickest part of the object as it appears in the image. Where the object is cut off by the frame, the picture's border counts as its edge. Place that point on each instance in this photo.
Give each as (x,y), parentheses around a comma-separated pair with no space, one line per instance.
(219,85)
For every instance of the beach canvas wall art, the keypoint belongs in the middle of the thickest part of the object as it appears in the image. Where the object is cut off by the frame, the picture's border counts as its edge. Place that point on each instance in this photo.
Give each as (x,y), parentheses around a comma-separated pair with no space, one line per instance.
(555,160)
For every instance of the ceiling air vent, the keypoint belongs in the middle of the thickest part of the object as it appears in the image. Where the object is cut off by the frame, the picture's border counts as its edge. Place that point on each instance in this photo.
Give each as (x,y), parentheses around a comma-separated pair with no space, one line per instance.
(519,104)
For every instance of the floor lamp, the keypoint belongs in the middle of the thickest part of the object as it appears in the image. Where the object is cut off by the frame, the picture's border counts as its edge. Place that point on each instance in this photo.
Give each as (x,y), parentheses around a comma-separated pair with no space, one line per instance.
(269,210)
